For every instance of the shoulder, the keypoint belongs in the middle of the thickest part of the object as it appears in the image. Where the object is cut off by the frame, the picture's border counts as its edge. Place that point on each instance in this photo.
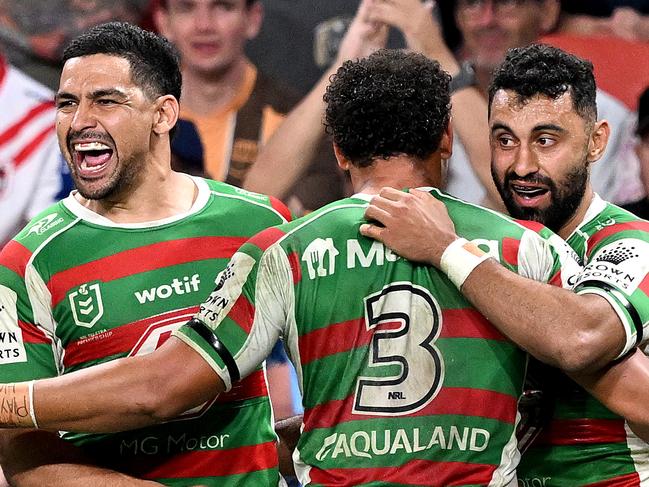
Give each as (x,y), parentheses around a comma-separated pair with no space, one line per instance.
(243,200)
(18,84)
(611,108)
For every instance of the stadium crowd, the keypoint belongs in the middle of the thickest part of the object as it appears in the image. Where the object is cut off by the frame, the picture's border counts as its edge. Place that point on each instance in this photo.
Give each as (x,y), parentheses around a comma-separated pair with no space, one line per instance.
(375,242)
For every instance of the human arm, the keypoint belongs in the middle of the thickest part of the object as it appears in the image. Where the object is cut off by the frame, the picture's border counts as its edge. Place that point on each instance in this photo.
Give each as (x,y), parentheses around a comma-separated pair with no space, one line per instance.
(532,314)
(297,140)
(469,107)
(288,431)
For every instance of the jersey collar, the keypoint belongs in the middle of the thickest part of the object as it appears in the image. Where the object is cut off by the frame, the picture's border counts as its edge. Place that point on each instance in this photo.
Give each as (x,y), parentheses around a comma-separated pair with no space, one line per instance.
(595,208)
(72,204)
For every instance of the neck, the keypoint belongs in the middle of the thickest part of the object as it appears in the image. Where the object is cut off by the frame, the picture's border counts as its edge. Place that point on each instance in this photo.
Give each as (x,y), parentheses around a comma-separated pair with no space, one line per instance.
(204,93)
(578,216)
(483,78)
(160,193)
(398,172)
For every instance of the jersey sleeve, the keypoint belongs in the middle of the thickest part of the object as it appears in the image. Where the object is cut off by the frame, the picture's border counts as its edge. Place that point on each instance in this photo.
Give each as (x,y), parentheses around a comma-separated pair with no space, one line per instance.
(546,258)
(26,348)
(617,267)
(246,313)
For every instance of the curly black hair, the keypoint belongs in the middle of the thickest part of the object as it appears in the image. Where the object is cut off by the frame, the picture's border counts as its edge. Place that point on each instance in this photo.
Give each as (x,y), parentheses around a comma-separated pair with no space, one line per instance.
(392,102)
(539,69)
(153,60)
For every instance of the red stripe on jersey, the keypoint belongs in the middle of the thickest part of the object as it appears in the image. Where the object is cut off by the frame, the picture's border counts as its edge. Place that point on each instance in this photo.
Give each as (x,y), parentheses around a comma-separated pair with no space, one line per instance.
(142,259)
(296,268)
(3,69)
(468,323)
(121,339)
(252,386)
(281,208)
(613,229)
(14,256)
(461,401)
(31,334)
(243,313)
(34,144)
(534,226)
(14,129)
(206,463)
(644,285)
(266,238)
(628,480)
(510,250)
(415,472)
(583,432)
(556,280)
(348,335)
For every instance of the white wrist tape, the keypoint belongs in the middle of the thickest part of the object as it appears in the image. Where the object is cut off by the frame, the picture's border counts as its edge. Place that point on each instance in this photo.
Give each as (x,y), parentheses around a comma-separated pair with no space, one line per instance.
(459,259)
(30,391)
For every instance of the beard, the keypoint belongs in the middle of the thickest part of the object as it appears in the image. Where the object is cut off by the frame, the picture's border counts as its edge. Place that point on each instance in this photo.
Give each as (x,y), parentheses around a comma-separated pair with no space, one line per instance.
(565,196)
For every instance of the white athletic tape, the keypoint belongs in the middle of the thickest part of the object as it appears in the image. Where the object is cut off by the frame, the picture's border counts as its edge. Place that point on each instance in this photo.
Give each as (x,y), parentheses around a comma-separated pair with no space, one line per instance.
(459,259)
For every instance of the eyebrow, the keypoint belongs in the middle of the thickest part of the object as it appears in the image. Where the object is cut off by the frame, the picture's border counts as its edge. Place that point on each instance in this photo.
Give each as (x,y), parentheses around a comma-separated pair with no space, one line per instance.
(93,96)
(537,128)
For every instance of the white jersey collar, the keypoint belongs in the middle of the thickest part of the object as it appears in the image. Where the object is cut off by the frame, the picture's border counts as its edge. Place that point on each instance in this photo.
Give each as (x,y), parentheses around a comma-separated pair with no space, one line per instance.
(595,208)
(72,204)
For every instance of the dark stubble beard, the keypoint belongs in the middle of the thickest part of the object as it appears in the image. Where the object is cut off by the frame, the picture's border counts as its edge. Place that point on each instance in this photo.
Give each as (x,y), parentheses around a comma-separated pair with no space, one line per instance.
(566,197)
(120,182)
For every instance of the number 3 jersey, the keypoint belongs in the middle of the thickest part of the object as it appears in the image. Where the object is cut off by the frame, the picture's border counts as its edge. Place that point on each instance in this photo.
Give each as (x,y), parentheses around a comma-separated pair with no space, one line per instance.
(403,382)
(77,290)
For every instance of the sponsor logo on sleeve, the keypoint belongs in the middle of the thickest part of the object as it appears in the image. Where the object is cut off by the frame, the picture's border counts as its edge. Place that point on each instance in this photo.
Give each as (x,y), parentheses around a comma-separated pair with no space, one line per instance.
(12,347)
(45,224)
(87,305)
(622,264)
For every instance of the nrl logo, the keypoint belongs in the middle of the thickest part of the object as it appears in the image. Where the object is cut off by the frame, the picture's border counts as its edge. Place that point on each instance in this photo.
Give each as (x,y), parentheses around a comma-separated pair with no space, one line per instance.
(87,305)
(44,224)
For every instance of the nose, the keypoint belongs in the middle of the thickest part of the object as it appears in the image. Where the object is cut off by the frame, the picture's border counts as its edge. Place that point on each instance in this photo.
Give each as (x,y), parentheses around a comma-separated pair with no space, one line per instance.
(203,19)
(487,14)
(83,117)
(525,162)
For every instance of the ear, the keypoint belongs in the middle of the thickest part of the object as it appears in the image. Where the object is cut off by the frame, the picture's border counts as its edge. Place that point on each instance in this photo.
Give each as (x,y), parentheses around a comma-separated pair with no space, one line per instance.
(161,21)
(550,16)
(343,162)
(255,16)
(446,142)
(166,114)
(598,140)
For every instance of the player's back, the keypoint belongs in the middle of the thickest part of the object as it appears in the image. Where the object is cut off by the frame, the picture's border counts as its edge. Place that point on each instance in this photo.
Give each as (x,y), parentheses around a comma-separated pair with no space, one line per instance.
(402,379)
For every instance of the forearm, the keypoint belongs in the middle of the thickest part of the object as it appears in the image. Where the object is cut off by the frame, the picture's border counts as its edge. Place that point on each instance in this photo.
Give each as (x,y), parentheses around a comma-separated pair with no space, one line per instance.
(566,330)
(36,458)
(292,146)
(120,395)
(288,431)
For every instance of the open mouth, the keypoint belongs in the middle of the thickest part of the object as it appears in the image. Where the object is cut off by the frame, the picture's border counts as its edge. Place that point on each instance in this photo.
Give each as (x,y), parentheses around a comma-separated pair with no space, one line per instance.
(91,158)
(528,193)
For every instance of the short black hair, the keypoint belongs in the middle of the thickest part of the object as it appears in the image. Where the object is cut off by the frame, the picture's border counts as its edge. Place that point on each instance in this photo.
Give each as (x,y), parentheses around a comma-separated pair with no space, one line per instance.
(539,69)
(165,3)
(392,102)
(153,60)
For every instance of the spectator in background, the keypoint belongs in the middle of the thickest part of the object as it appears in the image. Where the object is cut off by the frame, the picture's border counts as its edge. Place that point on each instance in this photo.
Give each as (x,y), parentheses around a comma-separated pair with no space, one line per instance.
(31,166)
(627,19)
(641,207)
(234,108)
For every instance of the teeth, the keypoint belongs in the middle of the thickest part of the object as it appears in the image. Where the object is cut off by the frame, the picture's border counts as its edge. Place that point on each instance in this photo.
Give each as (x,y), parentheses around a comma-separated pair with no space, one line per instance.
(88,146)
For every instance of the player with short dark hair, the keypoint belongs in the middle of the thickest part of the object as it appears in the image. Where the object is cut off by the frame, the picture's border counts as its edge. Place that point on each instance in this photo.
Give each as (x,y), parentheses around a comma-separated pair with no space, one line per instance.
(113,269)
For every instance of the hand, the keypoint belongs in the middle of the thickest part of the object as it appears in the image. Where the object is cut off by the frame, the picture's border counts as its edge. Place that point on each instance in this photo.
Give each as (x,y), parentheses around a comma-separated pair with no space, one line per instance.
(416,225)
(421,31)
(364,36)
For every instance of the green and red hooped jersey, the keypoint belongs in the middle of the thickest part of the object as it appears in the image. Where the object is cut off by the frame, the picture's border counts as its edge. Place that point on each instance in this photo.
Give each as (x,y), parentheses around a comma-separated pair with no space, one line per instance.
(585,444)
(78,290)
(403,382)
